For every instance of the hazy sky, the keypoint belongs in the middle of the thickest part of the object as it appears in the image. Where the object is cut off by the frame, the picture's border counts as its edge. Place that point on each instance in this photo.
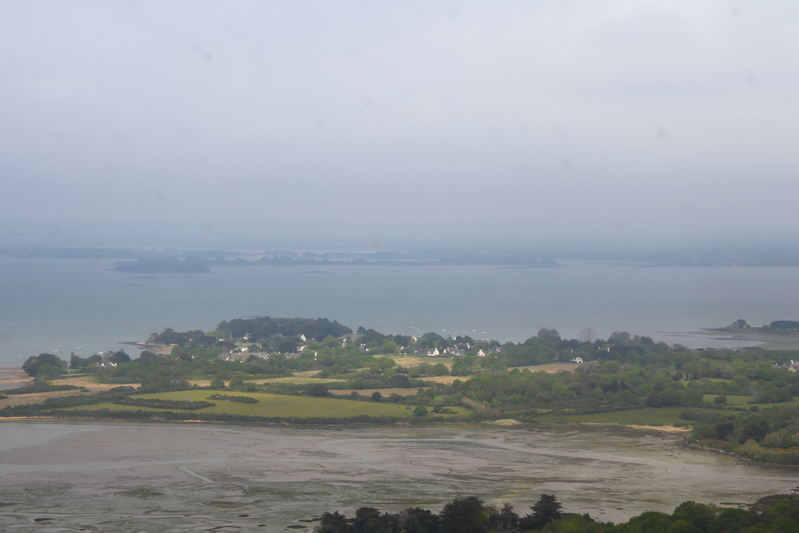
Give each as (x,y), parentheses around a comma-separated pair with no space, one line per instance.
(373,123)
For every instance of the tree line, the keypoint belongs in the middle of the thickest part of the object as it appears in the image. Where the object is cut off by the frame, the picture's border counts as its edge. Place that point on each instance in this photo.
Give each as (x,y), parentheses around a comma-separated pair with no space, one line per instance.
(779,513)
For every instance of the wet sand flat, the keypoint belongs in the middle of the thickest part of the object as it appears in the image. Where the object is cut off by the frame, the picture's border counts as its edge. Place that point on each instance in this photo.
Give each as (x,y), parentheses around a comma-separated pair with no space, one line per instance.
(153,477)
(11,378)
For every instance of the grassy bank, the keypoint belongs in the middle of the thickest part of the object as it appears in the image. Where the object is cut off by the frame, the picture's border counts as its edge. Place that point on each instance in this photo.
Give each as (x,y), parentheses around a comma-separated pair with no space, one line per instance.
(275,406)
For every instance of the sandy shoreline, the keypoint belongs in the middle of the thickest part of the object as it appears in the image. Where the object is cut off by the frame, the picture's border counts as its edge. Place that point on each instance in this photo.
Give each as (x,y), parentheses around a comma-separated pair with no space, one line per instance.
(760,339)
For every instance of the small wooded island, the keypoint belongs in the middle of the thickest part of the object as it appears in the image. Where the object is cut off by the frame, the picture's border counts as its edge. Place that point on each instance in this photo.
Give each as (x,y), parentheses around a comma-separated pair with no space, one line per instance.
(776,329)
(161,266)
(270,370)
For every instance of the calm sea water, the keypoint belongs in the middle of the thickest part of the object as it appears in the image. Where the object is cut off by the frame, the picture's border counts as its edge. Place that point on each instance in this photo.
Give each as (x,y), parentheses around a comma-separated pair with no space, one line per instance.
(84,306)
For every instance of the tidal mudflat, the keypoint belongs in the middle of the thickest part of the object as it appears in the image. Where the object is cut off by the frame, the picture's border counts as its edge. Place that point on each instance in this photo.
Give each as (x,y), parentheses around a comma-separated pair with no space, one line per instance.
(159,477)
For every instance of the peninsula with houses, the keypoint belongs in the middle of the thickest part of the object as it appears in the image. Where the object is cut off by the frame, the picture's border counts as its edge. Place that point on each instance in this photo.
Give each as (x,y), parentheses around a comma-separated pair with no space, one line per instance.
(312,371)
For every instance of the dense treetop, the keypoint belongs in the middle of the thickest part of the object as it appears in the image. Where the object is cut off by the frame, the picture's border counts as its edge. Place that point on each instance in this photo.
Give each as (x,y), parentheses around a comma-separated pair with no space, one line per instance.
(779,513)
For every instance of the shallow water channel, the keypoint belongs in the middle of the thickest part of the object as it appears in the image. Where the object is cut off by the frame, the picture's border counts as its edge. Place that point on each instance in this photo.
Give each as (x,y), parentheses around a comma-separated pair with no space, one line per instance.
(159,477)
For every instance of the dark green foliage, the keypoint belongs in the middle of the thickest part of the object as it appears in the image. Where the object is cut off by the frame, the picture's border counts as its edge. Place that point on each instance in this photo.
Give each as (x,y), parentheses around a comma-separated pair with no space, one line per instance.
(265,327)
(778,513)
(81,363)
(503,518)
(769,435)
(288,344)
(62,402)
(170,336)
(333,523)
(164,404)
(464,515)
(416,520)
(119,357)
(317,389)
(771,393)
(40,385)
(369,520)
(784,325)
(695,514)
(545,510)
(239,399)
(44,364)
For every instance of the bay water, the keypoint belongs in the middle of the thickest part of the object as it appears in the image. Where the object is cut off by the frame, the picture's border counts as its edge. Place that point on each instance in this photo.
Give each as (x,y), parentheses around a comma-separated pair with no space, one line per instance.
(84,306)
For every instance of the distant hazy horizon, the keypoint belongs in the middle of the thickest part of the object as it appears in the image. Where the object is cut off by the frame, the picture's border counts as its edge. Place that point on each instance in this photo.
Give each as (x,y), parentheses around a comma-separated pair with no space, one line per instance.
(37,237)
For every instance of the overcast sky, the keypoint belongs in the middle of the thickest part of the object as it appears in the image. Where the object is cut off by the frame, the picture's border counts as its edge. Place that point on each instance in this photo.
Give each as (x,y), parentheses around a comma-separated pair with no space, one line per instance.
(373,123)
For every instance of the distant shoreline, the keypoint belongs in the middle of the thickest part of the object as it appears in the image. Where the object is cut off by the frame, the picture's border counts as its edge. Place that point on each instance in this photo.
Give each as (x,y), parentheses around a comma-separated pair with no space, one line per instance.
(763,337)
(12,378)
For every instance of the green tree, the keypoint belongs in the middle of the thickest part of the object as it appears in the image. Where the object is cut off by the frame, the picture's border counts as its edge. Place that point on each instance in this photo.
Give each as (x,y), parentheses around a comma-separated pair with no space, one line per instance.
(504,518)
(32,364)
(650,522)
(417,520)
(548,337)
(545,510)
(119,357)
(369,520)
(683,526)
(697,514)
(333,523)
(376,396)
(464,515)
(236,383)
(318,389)
(289,344)
(420,411)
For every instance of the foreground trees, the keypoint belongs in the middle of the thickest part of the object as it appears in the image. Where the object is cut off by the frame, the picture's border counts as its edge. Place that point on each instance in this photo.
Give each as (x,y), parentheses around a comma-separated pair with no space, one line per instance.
(464,515)
(545,510)
(471,515)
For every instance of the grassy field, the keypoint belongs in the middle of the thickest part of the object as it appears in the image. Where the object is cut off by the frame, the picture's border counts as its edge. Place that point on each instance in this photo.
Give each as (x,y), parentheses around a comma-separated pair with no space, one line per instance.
(35,397)
(731,399)
(416,360)
(90,382)
(275,405)
(295,379)
(445,379)
(551,368)
(743,401)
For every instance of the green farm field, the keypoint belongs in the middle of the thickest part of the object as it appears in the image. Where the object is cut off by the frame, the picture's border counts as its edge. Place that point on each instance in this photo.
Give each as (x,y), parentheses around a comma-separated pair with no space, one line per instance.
(274,405)
(736,399)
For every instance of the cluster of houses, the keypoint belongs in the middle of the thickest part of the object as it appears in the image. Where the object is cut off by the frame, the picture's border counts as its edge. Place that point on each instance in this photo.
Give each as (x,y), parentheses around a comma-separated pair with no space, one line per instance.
(242,353)
(792,366)
(449,350)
